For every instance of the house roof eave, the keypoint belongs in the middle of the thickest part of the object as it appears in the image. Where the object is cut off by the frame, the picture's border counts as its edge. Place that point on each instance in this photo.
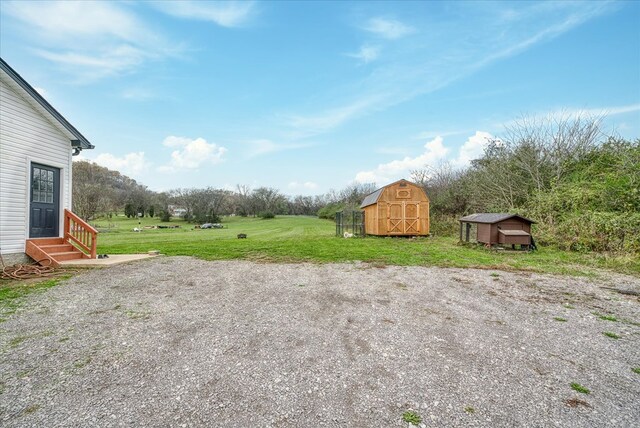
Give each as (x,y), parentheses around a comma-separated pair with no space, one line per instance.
(82,142)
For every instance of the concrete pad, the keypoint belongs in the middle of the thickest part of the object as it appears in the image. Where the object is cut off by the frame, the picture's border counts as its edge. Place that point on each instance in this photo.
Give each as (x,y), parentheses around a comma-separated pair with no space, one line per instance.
(113,259)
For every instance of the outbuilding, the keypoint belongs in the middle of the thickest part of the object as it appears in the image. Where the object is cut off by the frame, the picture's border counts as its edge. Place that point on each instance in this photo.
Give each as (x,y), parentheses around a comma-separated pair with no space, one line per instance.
(497,228)
(397,209)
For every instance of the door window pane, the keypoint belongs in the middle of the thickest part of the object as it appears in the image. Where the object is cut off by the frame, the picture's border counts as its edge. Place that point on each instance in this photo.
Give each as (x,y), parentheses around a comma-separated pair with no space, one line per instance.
(43,185)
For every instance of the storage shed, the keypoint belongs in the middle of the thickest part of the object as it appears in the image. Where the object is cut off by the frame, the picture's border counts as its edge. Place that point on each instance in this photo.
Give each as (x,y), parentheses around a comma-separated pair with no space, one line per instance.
(497,228)
(397,209)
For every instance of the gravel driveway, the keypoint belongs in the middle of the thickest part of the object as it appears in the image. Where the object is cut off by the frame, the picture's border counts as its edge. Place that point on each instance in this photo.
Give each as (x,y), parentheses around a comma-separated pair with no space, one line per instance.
(176,341)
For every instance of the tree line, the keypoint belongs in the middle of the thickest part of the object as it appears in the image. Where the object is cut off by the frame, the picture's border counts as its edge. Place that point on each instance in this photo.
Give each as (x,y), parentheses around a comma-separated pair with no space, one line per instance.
(98,191)
(580,185)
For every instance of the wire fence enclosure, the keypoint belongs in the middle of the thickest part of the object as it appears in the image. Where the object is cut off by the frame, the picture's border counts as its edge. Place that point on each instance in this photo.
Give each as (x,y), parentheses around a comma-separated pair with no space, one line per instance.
(350,222)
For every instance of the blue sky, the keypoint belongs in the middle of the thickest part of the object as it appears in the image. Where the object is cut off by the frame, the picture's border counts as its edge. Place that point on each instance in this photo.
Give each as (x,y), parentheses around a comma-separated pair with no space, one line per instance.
(309,96)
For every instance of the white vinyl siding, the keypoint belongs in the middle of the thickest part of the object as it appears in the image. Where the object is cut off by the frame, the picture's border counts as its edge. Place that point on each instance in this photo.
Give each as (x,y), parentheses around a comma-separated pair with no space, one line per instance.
(26,136)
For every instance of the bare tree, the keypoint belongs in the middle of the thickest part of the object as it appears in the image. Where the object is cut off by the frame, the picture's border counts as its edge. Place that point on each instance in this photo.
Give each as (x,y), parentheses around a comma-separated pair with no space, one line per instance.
(533,154)
(542,148)
(268,199)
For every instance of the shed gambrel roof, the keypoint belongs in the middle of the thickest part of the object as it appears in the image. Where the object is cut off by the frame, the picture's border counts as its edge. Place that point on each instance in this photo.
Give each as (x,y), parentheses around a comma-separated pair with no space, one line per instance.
(34,98)
(372,198)
(491,218)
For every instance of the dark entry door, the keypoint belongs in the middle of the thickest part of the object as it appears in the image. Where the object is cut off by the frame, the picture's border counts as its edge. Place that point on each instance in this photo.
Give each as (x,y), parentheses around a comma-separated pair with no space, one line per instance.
(45,201)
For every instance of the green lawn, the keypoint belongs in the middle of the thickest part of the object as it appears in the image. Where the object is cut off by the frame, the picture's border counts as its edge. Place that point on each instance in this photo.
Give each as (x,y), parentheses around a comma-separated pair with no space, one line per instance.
(294,239)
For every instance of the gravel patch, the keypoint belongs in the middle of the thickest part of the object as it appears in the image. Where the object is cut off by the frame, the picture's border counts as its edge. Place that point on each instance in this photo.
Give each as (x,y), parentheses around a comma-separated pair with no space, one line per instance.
(176,341)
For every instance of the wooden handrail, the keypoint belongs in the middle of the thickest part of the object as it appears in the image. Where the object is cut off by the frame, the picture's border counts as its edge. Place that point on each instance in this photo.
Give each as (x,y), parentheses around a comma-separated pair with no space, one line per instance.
(81,233)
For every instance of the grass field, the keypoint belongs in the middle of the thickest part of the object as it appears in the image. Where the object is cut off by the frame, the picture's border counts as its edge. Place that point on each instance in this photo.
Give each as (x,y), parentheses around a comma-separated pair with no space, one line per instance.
(295,239)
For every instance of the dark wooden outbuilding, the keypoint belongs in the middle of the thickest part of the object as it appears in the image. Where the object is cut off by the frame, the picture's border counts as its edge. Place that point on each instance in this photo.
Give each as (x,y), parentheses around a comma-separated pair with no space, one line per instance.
(397,209)
(497,228)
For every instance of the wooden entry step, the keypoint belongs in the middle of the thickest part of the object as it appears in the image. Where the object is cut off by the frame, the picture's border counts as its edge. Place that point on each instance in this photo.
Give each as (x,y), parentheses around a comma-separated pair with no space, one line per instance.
(55,250)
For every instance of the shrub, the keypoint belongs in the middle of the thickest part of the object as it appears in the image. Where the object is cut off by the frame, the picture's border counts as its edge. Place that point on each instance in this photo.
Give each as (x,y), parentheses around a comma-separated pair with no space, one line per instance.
(129,211)
(165,215)
(266,215)
(329,211)
(444,225)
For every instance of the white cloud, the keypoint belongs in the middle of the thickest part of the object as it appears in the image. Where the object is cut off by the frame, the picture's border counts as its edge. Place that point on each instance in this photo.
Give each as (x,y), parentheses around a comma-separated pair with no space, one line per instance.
(137,94)
(191,154)
(428,135)
(434,153)
(91,40)
(388,28)
(366,54)
(264,146)
(41,91)
(225,14)
(307,185)
(472,149)
(172,141)
(396,169)
(131,164)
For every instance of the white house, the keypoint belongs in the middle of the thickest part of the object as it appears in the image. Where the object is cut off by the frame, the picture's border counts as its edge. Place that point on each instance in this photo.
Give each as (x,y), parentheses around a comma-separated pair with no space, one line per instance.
(36,147)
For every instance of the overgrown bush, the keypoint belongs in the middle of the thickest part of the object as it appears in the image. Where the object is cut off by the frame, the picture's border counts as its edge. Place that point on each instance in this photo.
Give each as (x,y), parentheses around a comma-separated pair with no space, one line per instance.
(165,215)
(597,206)
(329,211)
(266,215)
(591,231)
(444,225)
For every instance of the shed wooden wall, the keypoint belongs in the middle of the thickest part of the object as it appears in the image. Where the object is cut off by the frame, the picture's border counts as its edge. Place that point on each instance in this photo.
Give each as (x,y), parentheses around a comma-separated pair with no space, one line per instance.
(408,202)
(371,219)
(26,136)
(488,233)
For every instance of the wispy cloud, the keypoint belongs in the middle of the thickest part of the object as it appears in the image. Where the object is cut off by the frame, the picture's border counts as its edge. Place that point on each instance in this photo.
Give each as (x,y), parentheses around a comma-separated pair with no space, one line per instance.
(429,61)
(388,28)
(366,54)
(138,94)
(317,123)
(571,113)
(223,13)
(427,135)
(306,185)
(599,111)
(395,151)
(91,40)
(191,154)
(262,147)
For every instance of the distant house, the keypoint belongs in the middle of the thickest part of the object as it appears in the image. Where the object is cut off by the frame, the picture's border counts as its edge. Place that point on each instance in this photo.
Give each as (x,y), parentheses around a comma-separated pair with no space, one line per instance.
(36,147)
(179,212)
(496,228)
(397,209)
